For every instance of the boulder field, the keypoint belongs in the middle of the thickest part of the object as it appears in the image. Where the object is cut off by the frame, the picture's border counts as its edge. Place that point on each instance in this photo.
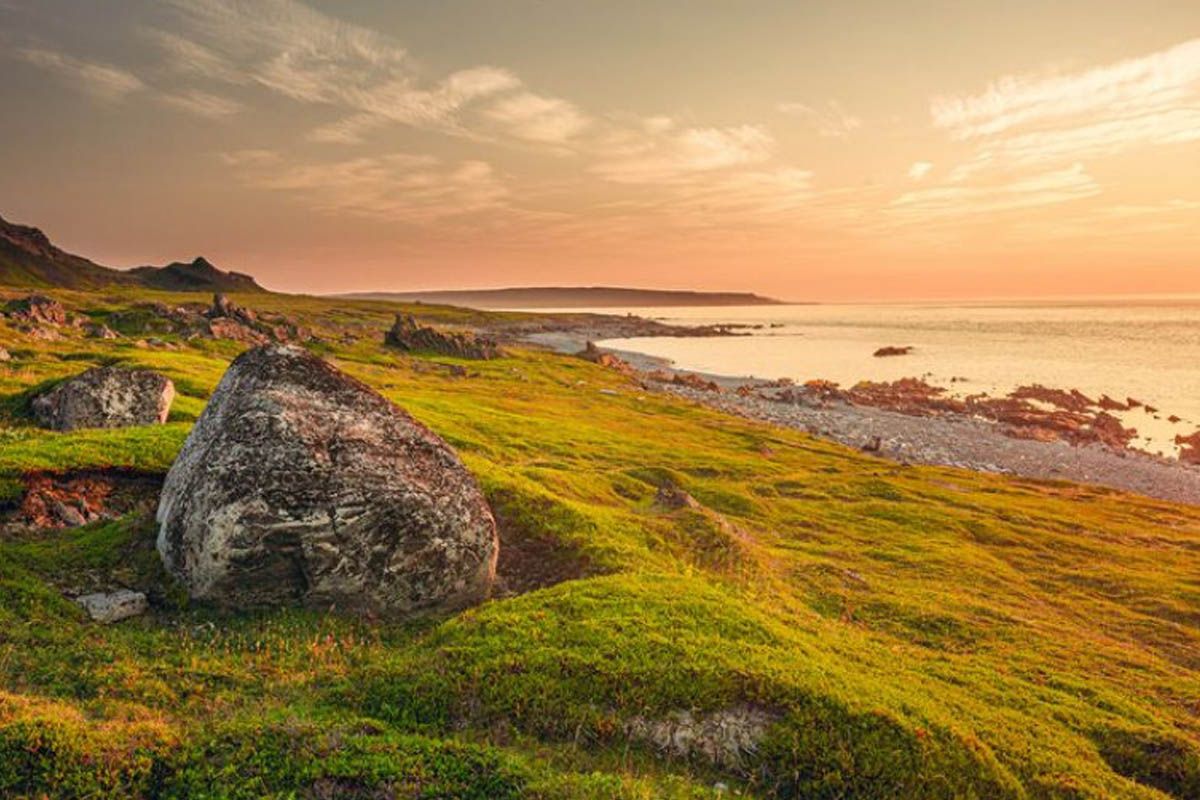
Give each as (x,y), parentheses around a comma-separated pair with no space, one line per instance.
(301,485)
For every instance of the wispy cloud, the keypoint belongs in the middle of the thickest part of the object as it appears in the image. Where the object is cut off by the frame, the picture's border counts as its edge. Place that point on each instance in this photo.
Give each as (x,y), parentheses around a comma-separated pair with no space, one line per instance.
(674,155)
(919,170)
(1020,121)
(539,119)
(102,81)
(310,57)
(401,187)
(202,104)
(1048,188)
(830,120)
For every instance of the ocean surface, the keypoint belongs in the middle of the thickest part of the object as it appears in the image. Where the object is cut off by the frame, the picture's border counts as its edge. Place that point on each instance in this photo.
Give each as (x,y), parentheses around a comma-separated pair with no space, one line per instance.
(1145,348)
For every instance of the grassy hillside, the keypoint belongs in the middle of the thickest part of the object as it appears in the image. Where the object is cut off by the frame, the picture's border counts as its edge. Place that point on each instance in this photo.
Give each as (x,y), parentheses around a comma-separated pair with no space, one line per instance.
(893,631)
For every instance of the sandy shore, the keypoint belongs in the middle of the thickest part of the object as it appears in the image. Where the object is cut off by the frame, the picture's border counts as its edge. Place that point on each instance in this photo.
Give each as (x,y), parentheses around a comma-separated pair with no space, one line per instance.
(953,440)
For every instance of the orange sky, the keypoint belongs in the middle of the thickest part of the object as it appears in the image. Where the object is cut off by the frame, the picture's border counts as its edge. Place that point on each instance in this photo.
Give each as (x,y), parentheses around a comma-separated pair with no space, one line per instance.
(823,151)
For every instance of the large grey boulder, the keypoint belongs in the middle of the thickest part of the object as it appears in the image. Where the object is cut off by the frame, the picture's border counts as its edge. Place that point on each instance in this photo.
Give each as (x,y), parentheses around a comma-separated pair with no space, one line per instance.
(301,485)
(106,397)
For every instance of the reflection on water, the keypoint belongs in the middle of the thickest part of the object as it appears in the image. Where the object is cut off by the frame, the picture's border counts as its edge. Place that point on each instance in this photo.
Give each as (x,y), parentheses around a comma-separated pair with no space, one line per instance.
(1146,349)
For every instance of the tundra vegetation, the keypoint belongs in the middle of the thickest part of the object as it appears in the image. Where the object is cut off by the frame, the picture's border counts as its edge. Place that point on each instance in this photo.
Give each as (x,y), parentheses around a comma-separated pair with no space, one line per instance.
(689,605)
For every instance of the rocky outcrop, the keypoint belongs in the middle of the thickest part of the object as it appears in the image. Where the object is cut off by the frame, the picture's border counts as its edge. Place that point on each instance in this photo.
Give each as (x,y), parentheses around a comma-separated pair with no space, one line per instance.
(227,320)
(36,309)
(113,607)
(1189,448)
(106,397)
(597,356)
(301,485)
(409,335)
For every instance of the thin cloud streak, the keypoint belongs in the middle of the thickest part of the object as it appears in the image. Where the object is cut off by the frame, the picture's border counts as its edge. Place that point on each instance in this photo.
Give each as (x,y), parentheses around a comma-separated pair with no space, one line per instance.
(407,188)
(102,81)
(1049,188)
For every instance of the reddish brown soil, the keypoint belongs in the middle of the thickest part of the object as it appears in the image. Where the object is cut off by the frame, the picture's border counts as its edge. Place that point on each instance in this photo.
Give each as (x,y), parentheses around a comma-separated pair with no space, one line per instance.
(66,500)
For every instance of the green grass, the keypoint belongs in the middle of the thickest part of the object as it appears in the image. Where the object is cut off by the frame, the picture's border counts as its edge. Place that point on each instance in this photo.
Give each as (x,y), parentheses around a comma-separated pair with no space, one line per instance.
(910,632)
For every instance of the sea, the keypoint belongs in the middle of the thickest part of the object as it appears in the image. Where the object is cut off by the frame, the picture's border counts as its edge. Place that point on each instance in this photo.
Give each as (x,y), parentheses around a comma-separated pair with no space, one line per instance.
(1147,348)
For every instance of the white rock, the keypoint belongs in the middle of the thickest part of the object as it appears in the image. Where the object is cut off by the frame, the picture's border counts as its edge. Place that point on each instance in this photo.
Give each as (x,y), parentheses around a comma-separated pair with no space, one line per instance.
(114,607)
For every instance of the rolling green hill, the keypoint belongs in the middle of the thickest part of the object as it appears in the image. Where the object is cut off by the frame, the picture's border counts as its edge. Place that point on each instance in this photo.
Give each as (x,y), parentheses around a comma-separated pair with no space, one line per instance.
(874,630)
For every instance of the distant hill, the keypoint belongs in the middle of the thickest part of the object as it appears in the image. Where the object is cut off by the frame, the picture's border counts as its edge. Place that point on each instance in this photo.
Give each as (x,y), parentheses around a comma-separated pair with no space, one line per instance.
(570,297)
(196,276)
(29,259)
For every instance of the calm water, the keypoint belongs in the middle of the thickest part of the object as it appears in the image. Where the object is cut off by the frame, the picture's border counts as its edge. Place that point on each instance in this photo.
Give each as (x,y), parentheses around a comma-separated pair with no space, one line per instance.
(1145,348)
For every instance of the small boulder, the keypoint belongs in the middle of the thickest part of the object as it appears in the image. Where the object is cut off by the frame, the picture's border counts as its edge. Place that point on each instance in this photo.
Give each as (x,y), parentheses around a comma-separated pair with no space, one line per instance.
(114,606)
(409,335)
(37,309)
(301,485)
(98,330)
(106,397)
(891,351)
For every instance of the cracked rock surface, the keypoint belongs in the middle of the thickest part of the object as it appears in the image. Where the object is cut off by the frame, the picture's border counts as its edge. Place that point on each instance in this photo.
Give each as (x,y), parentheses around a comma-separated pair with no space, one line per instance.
(299,485)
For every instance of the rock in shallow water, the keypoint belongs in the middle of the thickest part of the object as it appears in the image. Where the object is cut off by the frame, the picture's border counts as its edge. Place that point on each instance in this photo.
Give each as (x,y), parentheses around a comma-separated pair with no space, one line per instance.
(301,485)
(106,397)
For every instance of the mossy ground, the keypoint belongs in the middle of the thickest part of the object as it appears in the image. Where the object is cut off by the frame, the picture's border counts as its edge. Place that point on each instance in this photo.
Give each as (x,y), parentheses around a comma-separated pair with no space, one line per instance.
(912,632)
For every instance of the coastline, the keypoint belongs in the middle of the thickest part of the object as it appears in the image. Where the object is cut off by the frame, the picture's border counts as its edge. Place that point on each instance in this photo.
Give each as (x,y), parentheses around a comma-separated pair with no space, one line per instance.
(952,440)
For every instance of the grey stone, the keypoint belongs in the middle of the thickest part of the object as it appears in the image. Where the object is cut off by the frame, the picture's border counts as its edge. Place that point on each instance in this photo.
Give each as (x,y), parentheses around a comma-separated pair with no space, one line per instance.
(300,485)
(106,397)
(114,606)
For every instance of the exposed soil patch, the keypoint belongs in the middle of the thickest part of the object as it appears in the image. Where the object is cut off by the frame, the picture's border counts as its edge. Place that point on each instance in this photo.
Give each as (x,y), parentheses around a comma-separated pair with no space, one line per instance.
(67,500)
(530,560)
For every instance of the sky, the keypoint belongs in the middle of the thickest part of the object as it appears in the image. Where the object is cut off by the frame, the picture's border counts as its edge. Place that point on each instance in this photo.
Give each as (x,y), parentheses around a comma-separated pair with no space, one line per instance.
(828,151)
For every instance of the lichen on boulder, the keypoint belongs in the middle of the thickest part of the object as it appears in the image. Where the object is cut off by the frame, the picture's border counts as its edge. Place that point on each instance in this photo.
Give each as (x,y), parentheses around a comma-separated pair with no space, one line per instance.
(300,485)
(106,397)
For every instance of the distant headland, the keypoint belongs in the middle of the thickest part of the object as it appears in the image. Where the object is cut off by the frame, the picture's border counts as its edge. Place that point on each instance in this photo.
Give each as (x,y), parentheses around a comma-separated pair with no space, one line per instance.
(570,297)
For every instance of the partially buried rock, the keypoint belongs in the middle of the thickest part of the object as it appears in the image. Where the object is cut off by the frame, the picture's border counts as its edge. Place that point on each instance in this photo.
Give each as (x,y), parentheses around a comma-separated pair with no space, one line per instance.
(408,334)
(892,351)
(301,485)
(114,606)
(106,397)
